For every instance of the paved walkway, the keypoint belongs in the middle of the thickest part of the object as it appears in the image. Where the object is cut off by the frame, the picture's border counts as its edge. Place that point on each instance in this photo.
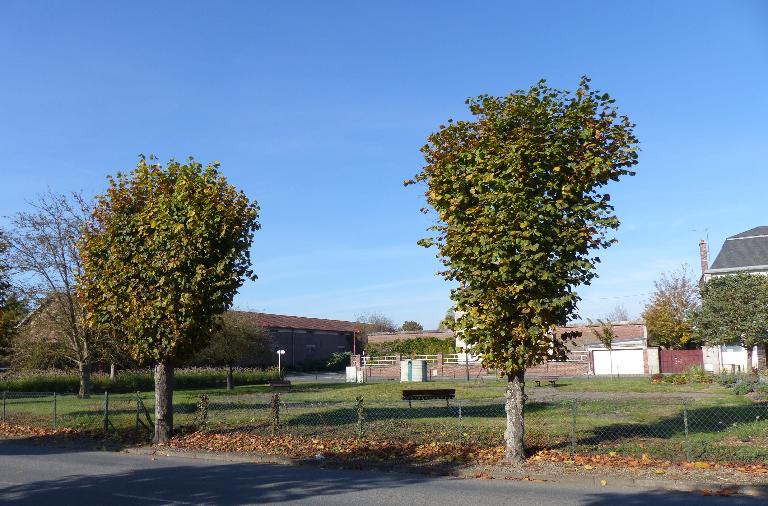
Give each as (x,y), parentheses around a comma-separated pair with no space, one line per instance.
(48,475)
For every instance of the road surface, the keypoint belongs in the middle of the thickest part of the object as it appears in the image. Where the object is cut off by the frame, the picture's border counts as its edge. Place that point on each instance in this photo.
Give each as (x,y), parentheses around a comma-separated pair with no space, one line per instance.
(32,474)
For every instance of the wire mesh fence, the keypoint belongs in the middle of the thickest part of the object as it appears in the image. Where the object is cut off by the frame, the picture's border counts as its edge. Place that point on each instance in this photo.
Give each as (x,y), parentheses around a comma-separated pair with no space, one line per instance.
(672,430)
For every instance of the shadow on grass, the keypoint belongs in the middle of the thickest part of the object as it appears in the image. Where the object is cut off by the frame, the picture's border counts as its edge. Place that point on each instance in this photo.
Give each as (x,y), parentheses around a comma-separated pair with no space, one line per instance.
(697,421)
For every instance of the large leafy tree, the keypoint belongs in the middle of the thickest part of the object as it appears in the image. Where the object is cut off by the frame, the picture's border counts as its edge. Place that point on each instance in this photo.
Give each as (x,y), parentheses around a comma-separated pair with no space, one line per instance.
(166,251)
(669,314)
(521,211)
(734,310)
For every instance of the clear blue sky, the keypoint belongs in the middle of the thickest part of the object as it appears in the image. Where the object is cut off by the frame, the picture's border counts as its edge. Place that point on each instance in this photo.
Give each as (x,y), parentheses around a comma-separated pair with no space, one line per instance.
(318,110)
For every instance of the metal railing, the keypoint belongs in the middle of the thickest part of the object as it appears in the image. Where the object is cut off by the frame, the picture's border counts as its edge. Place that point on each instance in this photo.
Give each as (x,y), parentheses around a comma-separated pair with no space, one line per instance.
(382,361)
(460,358)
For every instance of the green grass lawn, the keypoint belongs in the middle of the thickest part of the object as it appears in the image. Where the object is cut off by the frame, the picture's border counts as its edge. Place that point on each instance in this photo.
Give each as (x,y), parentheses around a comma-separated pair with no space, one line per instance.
(720,425)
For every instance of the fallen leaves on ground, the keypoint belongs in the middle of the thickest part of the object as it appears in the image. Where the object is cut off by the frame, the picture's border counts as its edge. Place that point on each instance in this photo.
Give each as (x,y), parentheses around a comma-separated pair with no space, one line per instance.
(7,430)
(311,447)
(615,460)
(434,452)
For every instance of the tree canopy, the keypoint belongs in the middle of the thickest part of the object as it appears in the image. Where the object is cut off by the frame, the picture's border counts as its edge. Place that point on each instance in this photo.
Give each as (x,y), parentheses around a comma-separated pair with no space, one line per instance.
(411,326)
(734,310)
(520,213)
(44,248)
(237,343)
(164,255)
(670,312)
(603,330)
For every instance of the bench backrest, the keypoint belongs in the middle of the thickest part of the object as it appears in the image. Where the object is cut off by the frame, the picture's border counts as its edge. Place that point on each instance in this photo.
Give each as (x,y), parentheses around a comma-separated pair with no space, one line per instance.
(432,392)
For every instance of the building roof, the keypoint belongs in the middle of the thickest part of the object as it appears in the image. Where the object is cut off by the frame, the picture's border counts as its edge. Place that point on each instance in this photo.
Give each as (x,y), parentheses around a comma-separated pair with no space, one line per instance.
(743,251)
(272,321)
(623,331)
(386,337)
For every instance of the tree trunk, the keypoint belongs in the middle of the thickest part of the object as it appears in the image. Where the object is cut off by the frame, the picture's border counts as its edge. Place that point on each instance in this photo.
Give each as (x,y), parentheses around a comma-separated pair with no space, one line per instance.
(163,402)
(111,371)
(85,381)
(749,359)
(230,379)
(762,357)
(515,402)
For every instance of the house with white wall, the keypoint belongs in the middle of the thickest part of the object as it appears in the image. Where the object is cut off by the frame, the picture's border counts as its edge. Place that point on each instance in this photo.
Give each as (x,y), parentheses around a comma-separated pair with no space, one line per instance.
(746,252)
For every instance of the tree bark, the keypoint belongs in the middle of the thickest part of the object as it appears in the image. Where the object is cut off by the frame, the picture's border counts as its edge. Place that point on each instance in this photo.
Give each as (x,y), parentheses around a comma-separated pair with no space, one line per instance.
(230,379)
(85,380)
(749,359)
(762,357)
(514,407)
(112,371)
(163,402)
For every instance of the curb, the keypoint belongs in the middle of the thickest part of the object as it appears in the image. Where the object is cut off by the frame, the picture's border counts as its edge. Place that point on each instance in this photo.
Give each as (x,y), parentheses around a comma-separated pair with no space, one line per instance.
(607,482)
(596,482)
(217,456)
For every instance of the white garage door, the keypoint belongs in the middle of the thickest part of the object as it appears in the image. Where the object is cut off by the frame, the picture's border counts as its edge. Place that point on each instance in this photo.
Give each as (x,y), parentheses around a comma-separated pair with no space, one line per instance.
(618,362)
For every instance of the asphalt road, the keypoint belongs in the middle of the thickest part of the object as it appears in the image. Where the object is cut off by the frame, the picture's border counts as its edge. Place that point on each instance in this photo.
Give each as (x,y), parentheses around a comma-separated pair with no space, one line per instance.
(48,475)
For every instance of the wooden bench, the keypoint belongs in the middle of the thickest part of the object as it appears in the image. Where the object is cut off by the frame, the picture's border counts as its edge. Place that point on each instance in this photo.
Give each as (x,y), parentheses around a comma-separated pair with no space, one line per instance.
(280,385)
(431,393)
(551,379)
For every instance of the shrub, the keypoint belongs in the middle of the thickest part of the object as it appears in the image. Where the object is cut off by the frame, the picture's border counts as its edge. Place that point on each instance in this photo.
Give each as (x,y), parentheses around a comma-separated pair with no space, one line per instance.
(697,374)
(744,385)
(727,379)
(133,381)
(338,361)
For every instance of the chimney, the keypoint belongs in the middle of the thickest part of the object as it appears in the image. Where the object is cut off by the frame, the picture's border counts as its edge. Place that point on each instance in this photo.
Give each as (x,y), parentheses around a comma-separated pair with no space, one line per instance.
(703,256)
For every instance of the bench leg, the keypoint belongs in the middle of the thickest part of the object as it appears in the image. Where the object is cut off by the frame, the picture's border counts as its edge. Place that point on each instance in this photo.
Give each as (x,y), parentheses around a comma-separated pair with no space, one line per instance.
(409,403)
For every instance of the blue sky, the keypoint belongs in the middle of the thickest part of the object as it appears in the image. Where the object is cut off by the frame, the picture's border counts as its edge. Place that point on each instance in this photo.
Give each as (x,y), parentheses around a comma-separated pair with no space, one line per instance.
(318,110)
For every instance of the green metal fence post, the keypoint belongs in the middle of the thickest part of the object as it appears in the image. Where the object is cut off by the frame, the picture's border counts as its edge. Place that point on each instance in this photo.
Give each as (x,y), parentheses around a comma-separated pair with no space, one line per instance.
(4,392)
(54,410)
(138,411)
(573,427)
(685,426)
(106,413)
(460,420)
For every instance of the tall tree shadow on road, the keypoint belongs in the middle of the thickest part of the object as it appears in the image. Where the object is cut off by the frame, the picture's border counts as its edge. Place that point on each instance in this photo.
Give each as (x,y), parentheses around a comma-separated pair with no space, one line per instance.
(201,484)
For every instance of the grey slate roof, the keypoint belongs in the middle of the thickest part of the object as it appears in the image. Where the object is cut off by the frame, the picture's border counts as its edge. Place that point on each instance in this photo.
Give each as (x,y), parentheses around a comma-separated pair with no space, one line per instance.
(744,250)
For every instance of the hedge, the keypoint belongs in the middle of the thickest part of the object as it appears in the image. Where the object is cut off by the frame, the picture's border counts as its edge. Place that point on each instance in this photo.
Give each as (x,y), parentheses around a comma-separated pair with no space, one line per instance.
(413,346)
(134,381)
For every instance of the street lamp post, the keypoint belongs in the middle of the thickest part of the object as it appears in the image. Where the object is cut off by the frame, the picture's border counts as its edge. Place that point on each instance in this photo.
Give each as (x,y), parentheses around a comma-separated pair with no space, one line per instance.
(280,354)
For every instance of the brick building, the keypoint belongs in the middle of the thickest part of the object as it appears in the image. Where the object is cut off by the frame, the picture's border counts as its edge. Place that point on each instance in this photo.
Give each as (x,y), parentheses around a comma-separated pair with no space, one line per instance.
(306,341)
